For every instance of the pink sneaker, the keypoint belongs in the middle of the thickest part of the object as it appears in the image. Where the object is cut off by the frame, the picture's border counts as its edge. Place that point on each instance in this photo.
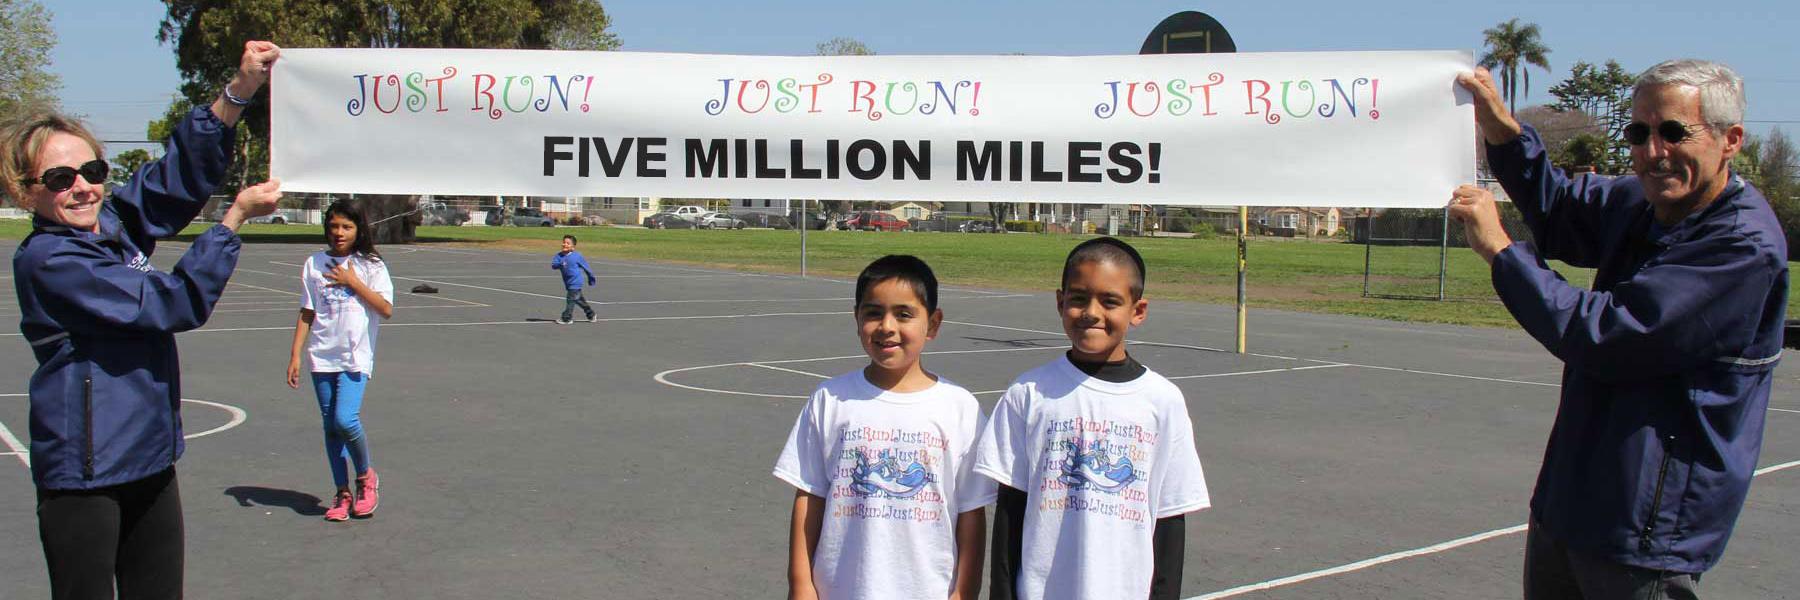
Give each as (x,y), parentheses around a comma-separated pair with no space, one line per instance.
(340,507)
(368,495)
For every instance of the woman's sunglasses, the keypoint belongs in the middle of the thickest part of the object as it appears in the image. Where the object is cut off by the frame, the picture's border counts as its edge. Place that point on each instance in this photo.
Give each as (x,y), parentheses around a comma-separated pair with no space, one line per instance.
(58,179)
(1673,132)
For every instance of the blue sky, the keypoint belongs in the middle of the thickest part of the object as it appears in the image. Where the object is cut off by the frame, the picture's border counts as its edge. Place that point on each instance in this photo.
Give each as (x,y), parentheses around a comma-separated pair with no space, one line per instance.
(117,75)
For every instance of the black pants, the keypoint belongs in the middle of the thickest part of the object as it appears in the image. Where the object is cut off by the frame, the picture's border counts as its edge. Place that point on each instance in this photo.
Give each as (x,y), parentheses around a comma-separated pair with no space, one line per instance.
(1552,572)
(131,532)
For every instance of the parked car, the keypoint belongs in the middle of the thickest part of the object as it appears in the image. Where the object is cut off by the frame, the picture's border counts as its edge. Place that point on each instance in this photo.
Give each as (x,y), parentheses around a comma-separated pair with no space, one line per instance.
(771,221)
(977,227)
(274,219)
(875,221)
(525,216)
(689,212)
(719,220)
(495,215)
(439,213)
(664,220)
(934,224)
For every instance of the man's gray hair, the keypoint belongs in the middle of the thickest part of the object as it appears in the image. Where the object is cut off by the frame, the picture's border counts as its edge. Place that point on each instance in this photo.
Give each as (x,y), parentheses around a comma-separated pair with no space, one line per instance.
(1721,90)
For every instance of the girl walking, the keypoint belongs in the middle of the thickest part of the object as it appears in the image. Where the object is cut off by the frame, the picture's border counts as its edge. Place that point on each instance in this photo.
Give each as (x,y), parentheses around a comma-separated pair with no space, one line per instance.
(346,288)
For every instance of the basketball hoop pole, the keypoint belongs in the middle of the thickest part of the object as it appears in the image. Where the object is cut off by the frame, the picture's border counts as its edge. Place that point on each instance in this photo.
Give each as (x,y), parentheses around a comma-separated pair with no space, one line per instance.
(1193,32)
(804,225)
(1243,249)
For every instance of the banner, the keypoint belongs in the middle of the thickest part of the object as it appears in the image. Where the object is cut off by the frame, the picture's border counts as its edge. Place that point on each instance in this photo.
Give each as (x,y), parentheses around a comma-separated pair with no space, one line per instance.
(1352,129)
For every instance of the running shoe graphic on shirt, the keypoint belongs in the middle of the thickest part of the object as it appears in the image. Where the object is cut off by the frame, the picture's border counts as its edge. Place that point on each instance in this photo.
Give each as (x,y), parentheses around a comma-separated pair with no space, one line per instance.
(884,477)
(1091,469)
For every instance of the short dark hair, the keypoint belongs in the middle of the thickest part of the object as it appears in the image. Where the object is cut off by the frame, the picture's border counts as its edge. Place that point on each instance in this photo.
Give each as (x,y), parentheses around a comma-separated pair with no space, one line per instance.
(900,267)
(571,239)
(1107,250)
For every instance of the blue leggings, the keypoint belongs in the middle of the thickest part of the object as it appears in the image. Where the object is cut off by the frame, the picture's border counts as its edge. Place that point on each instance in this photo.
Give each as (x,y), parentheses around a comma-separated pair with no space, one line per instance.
(340,405)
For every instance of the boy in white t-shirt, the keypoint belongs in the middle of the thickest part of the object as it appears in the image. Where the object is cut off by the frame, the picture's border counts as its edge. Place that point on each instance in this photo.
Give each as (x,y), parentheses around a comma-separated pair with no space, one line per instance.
(1094,453)
(886,506)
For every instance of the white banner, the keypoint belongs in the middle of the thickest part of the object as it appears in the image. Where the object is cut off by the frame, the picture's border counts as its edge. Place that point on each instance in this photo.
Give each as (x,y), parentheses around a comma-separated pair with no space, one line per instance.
(1376,129)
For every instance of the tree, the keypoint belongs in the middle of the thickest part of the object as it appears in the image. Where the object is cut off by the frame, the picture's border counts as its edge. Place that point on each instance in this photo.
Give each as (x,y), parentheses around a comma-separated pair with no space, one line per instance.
(25,43)
(1556,127)
(1512,50)
(159,130)
(1772,164)
(129,161)
(1586,150)
(208,38)
(1603,94)
(840,46)
(843,46)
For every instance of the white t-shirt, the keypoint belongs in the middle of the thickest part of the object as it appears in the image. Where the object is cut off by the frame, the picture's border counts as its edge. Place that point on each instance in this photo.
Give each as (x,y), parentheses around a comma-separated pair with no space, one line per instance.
(1100,462)
(893,470)
(344,327)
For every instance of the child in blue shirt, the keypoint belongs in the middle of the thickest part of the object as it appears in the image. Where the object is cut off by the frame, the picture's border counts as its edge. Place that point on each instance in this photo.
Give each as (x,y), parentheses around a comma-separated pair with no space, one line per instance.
(573,267)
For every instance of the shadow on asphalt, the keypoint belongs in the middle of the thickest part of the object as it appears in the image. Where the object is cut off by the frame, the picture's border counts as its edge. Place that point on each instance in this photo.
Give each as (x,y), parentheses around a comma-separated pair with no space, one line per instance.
(300,502)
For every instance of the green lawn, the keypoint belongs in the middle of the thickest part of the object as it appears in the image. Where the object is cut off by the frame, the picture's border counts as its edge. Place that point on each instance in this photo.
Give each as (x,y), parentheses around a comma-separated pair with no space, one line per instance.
(1295,275)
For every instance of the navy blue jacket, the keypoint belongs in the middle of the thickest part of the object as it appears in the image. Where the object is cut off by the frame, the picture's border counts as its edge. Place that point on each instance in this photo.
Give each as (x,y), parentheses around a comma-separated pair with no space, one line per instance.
(1668,360)
(573,268)
(105,399)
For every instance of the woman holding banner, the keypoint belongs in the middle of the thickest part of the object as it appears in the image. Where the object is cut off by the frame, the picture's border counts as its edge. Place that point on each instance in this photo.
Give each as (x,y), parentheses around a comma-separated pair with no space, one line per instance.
(101,320)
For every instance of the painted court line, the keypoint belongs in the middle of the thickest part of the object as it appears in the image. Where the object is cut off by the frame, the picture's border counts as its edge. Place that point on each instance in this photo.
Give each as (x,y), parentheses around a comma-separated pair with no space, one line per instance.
(1361,564)
(238,416)
(555,277)
(1262,372)
(1379,368)
(626,302)
(545,322)
(1388,558)
(1785,410)
(663,377)
(1457,376)
(18,449)
(258,287)
(1163,344)
(400,308)
(795,371)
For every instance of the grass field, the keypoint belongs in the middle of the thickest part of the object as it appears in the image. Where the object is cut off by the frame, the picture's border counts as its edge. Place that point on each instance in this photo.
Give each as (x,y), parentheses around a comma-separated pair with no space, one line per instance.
(1306,276)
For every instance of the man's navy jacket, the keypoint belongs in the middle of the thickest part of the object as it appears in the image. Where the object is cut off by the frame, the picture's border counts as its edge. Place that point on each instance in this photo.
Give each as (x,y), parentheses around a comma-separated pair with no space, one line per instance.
(105,399)
(1668,360)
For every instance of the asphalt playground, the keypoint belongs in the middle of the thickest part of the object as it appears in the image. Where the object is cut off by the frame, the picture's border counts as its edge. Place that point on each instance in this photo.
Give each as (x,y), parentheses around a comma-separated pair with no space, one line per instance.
(631,458)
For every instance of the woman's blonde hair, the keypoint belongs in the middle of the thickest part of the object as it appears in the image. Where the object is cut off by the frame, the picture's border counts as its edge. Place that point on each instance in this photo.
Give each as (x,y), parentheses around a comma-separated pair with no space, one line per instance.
(22,142)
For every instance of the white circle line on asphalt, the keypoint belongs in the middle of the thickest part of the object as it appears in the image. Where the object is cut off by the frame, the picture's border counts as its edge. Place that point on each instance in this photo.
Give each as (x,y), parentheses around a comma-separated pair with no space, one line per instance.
(238,416)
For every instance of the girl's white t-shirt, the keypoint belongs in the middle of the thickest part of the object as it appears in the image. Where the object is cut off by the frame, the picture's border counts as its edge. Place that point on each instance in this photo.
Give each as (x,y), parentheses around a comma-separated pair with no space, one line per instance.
(344,328)
(893,470)
(1100,462)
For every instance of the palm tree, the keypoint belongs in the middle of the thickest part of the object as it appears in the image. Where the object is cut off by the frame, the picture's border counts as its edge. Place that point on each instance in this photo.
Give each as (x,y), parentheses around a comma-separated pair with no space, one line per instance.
(1511,49)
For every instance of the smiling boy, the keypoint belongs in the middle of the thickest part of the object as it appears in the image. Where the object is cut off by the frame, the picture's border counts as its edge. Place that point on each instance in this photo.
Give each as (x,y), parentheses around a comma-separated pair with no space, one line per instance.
(1093,452)
(885,505)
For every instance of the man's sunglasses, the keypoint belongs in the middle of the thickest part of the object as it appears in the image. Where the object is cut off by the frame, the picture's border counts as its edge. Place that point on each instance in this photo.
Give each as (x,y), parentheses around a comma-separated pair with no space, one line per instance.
(58,179)
(1673,132)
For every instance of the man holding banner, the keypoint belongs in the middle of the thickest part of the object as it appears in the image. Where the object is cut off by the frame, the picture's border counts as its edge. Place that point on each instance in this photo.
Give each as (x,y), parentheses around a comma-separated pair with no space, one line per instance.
(1668,360)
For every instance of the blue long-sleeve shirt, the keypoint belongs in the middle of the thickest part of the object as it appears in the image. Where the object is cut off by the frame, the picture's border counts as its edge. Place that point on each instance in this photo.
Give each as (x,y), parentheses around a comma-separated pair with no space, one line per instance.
(573,268)
(101,321)
(1669,358)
